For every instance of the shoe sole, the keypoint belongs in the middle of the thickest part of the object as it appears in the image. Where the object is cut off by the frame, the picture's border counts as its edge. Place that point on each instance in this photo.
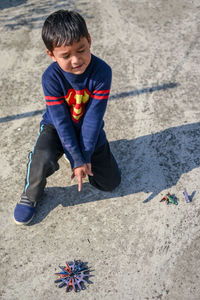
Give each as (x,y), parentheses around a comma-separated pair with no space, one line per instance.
(23,223)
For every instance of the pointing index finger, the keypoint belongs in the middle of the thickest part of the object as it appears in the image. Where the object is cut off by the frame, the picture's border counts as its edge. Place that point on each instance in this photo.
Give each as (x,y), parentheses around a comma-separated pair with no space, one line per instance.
(79,183)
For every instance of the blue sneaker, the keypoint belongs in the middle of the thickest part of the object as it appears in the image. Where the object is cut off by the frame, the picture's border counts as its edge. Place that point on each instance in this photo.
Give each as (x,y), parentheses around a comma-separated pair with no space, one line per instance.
(24,211)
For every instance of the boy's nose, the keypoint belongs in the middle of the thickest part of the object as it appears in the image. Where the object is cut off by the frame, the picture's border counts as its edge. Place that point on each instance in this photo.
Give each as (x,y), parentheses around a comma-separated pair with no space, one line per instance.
(75,60)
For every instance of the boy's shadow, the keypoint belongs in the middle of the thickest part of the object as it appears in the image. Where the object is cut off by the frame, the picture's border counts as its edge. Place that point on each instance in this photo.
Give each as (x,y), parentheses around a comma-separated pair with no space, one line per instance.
(149,164)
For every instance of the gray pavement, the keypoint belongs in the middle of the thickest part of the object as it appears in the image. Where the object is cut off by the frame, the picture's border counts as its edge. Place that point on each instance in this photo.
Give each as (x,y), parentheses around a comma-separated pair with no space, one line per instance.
(139,248)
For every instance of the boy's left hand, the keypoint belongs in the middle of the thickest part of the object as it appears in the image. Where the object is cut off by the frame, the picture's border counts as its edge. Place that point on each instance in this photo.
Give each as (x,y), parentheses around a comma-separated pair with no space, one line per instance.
(81,172)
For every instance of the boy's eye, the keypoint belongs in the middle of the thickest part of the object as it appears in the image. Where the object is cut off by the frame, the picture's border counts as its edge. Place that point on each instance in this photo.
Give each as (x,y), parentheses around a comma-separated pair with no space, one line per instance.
(81,51)
(66,56)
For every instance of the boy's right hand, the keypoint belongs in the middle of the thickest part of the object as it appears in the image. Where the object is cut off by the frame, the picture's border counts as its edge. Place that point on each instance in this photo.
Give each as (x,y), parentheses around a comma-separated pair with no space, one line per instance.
(81,172)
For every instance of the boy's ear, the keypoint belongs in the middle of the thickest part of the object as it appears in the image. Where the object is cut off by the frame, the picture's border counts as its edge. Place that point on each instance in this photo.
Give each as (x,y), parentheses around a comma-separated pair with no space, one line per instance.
(50,54)
(89,40)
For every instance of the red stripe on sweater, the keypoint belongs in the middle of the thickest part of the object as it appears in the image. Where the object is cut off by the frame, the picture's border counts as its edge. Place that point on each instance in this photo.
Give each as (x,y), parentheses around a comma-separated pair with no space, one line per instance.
(99,97)
(101,92)
(53,98)
(54,102)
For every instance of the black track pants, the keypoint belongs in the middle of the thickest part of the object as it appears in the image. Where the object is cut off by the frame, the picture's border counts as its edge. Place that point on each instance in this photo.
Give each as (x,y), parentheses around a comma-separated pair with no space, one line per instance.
(43,162)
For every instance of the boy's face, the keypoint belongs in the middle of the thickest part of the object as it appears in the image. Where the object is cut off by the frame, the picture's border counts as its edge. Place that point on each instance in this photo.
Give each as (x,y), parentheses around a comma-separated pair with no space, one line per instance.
(73,58)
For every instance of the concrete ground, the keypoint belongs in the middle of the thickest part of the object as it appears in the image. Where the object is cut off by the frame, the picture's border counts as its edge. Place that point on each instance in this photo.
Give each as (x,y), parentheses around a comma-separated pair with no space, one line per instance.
(138,247)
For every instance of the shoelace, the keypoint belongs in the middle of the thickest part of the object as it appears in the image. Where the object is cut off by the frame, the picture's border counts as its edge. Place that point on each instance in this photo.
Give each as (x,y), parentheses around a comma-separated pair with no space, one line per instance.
(25,201)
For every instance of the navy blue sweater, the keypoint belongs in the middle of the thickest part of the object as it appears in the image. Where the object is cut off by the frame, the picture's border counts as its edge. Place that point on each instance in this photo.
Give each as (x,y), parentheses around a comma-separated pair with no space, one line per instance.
(75,106)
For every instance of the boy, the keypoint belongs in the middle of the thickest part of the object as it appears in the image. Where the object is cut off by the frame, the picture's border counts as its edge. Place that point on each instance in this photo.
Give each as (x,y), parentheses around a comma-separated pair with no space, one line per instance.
(76,88)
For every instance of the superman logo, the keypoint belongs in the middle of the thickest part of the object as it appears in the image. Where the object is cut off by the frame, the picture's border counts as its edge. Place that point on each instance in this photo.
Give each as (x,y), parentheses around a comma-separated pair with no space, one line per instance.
(76,101)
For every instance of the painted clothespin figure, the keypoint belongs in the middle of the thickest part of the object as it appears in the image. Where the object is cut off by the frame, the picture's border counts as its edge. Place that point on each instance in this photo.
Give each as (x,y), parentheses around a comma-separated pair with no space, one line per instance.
(169,199)
(187,198)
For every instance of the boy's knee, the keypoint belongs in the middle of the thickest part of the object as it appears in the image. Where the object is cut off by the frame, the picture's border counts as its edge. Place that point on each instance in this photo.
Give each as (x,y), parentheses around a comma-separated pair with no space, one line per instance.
(106,185)
(114,184)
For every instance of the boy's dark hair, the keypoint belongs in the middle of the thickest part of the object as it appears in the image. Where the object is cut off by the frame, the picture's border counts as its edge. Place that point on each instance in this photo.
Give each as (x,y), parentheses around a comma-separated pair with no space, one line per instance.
(63,27)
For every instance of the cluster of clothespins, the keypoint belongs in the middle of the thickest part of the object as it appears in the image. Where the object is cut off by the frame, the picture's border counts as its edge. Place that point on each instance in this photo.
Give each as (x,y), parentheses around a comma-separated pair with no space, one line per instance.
(74,276)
